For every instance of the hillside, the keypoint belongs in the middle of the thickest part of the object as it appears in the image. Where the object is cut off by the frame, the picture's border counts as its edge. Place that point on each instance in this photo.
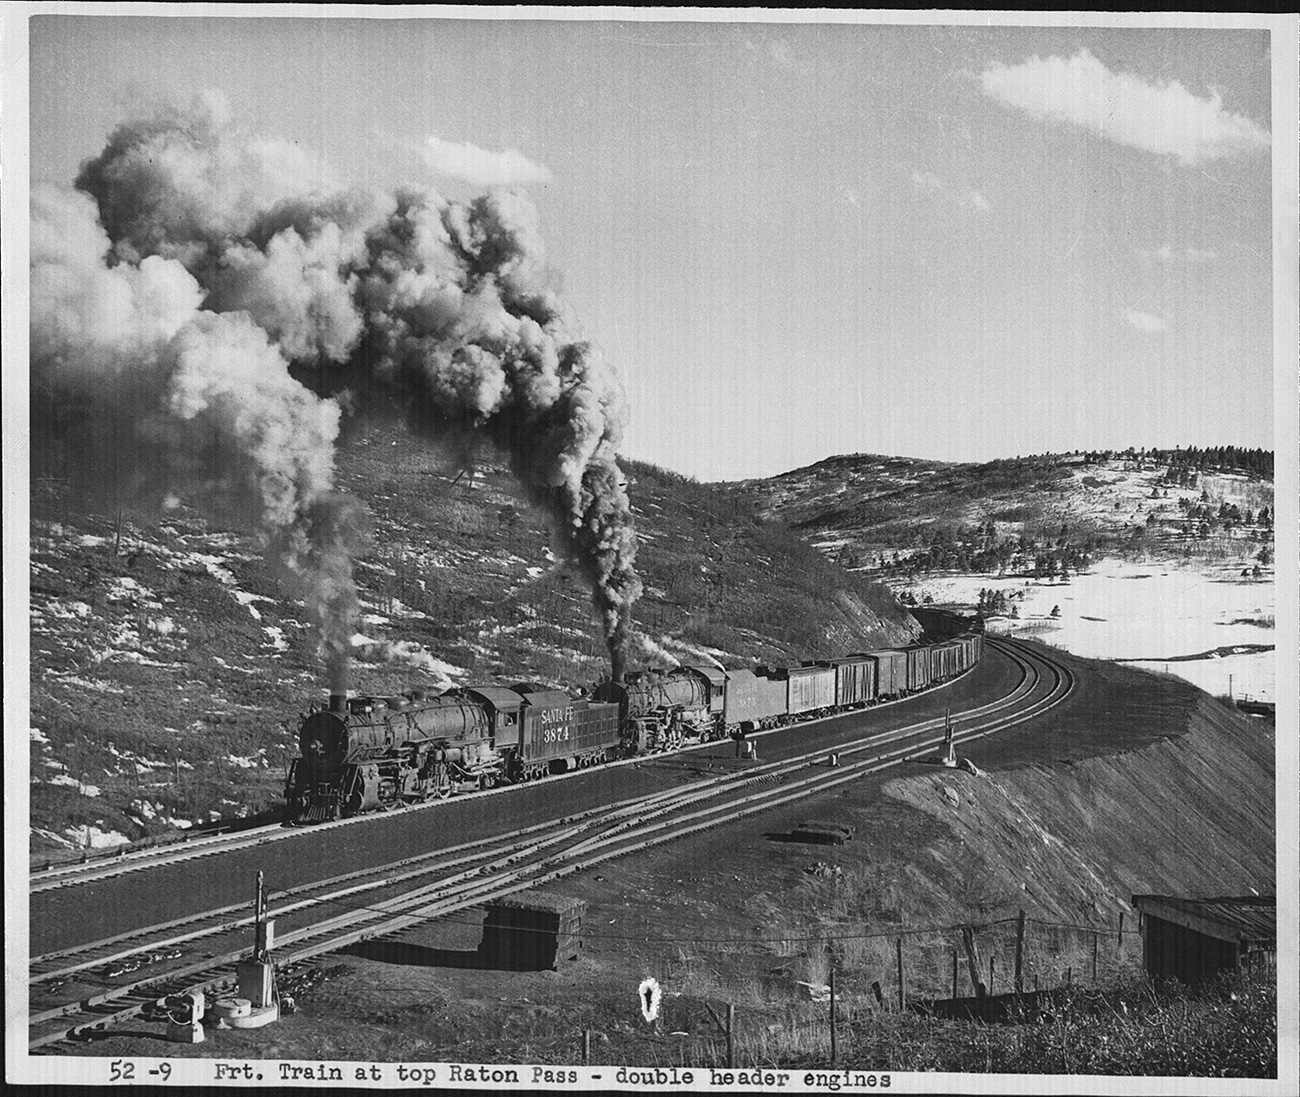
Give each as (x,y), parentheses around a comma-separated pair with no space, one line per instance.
(168,666)
(900,518)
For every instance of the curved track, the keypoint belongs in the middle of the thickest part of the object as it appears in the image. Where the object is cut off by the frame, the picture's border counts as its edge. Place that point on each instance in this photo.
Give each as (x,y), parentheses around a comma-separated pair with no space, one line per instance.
(93,986)
(139,857)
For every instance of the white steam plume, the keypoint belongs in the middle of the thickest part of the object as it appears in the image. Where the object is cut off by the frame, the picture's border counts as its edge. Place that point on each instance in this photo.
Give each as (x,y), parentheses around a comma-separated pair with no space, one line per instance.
(138,394)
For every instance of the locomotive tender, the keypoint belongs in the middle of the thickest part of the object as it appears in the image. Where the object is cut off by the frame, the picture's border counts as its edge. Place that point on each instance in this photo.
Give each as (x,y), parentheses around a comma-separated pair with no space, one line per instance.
(365,753)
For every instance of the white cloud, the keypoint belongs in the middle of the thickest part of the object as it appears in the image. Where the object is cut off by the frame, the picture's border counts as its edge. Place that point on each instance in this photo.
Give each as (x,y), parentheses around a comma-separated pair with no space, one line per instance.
(482,167)
(1163,118)
(1201,255)
(1145,321)
(927,183)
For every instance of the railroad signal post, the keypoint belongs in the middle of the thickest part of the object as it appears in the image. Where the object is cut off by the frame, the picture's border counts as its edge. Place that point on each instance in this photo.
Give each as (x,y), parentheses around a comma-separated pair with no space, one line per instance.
(259,999)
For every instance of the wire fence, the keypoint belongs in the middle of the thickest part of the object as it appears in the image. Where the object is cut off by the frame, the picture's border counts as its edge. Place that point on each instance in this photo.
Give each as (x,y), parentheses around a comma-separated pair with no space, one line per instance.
(727,998)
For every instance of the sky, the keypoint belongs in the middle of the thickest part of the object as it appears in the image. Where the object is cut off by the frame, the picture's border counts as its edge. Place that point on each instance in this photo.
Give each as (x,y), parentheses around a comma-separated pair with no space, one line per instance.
(795,240)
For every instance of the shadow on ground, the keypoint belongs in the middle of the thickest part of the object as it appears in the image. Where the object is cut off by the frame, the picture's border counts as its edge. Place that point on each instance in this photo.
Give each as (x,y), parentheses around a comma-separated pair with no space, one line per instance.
(412,955)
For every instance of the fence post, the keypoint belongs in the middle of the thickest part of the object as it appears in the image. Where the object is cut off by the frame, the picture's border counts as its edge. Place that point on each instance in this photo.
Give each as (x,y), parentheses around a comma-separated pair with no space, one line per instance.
(1119,938)
(902,988)
(731,1042)
(990,974)
(972,960)
(954,975)
(833,1049)
(1094,957)
(586,1046)
(1020,949)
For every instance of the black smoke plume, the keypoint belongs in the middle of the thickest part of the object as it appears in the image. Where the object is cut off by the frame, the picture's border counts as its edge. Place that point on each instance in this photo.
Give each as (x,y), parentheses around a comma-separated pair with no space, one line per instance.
(199,301)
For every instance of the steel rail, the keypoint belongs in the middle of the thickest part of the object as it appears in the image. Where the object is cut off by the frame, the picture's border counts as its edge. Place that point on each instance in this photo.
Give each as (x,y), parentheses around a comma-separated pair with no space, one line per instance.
(109,865)
(467,889)
(639,808)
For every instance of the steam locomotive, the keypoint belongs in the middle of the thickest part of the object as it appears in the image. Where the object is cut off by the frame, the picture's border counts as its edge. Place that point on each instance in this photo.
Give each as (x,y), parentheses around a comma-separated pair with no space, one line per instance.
(363,754)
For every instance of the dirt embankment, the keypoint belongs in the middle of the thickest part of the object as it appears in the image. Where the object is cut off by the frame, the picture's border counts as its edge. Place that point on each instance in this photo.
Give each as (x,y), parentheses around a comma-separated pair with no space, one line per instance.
(1188,810)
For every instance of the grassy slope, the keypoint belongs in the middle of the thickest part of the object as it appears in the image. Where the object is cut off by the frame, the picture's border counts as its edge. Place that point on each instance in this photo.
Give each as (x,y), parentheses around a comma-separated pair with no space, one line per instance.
(866,507)
(168,668)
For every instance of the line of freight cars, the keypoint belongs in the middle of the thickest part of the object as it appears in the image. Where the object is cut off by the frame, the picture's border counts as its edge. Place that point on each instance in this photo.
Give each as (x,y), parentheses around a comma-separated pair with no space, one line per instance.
(659,709)
(370,753)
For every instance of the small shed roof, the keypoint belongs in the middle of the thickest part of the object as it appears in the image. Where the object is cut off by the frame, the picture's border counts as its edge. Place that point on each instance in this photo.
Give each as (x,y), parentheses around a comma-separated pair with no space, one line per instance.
(1252,918)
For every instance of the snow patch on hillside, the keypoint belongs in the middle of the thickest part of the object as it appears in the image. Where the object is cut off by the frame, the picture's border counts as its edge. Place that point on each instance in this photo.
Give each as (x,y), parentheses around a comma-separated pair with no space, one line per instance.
(406,653)
(92,837)
(82,787)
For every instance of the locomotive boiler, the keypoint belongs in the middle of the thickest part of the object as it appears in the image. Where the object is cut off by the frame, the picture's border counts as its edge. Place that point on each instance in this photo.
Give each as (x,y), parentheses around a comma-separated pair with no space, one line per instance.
(660,708)
(366,753)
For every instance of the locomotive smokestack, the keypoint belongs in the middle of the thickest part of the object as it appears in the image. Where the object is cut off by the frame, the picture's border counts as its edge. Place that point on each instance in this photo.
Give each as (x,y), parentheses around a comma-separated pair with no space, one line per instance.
(338,702)
(617,665)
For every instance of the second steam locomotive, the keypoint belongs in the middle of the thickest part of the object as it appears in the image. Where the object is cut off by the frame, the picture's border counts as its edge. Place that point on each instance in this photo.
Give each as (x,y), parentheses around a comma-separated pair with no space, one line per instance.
(366,753)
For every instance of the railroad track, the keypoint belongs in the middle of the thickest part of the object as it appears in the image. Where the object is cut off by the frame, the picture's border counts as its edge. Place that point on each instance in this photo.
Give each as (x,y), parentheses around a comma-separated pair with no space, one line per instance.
(76,991)
(137,858)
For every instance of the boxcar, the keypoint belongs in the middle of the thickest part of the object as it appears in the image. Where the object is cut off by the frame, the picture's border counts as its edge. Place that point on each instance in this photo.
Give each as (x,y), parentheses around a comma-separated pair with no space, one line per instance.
(811,688)
(855,680)
(943,660)
(891,672)
(753,699)
(918,668)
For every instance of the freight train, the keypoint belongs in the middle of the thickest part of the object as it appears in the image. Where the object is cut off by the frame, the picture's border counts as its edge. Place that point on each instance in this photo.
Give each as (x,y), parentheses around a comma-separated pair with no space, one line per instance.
(364,754)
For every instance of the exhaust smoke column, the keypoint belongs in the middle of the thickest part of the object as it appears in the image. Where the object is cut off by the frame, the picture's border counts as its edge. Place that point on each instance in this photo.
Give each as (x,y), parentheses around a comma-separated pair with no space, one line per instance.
(191,323)
(462,320)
